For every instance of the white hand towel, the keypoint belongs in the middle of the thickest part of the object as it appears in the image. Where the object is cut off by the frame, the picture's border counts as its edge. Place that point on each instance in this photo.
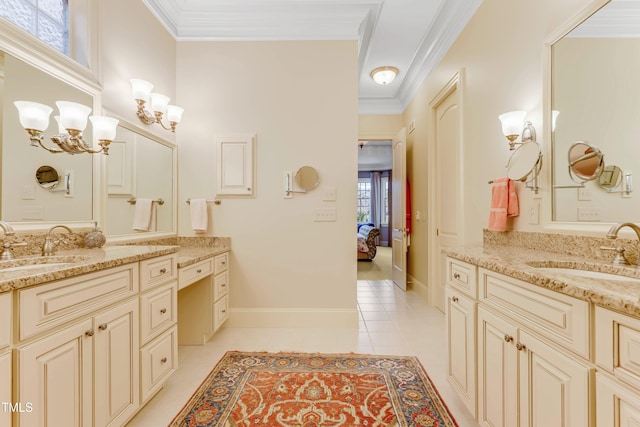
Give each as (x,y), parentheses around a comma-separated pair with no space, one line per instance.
(199,215)
(143,215)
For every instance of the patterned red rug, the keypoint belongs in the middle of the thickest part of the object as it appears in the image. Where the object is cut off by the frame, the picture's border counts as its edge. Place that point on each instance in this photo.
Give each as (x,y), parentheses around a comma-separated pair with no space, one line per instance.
(315,390)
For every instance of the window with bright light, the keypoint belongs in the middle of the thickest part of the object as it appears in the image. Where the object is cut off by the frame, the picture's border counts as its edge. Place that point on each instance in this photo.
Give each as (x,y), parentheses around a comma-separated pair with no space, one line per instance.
(384,184)
(48,20)
(364,200)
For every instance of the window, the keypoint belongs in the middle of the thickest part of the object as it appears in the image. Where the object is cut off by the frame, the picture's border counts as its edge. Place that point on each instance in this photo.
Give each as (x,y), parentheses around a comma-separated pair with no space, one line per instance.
(364,200)
(384,184)
(48,20)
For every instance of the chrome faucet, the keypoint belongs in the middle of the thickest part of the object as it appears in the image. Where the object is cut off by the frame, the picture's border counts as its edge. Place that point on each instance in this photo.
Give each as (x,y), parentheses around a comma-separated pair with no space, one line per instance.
(613,234)
(48,248)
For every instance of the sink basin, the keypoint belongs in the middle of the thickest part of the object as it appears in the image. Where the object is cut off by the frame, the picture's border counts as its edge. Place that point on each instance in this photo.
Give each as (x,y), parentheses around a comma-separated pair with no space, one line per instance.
(39,263)
(589,274)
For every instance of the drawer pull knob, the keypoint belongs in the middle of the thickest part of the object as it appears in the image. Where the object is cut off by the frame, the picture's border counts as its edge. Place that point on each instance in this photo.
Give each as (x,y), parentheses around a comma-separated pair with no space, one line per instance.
(224,311)
(163,270)
(163,360)
(103,327)
(520,346)
(163,310)
(223,262)
(508,338)
(224,285)
(90,333)
(456,275)
(455,299)
(199,271)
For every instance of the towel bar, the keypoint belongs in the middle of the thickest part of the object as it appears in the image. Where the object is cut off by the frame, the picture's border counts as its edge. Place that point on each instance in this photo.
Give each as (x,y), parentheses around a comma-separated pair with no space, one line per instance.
(217,202)
(132,201)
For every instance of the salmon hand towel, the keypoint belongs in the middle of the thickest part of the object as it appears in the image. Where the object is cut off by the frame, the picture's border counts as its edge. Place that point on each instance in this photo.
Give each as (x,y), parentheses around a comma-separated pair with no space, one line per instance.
(504,203)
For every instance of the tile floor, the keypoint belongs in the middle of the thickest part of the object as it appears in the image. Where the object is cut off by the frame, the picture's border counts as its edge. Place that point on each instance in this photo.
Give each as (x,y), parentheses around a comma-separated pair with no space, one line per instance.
(391,322)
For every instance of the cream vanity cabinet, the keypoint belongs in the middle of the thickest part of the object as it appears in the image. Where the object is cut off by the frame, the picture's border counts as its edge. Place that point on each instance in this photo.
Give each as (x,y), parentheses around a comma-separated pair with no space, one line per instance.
(533,351)
(618,359)
(203,302)
(461,307)
(5,359)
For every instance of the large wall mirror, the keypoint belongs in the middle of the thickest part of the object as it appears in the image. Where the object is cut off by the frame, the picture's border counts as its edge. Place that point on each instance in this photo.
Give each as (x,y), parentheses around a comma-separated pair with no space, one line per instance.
(22,199)
(595,87)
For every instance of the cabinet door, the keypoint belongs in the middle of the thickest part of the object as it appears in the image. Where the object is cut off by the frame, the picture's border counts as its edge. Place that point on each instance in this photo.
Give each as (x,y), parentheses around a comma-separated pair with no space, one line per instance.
(497,371)
(617,405)
(554,389)
(116,370)
(55,377)
(5,388)
(235,165)
(461,343)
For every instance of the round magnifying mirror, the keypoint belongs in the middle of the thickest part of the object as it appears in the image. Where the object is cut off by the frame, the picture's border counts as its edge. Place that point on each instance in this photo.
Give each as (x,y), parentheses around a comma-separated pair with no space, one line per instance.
(47,177)
(307,178)
(610,178)
(524,161)
(586,162)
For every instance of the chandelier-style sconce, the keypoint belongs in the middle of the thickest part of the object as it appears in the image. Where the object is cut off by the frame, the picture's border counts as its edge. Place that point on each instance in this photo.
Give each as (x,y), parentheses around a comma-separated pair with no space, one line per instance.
(141,90)
(514,126)
(72,121)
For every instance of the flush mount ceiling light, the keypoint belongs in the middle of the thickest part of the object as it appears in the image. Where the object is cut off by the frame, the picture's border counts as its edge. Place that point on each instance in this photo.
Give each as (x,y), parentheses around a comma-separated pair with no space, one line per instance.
(384,75)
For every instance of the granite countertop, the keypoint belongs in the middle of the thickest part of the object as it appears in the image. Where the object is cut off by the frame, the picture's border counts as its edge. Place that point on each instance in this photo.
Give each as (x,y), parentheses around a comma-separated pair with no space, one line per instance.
(188,255)
(525,264)
(71,263)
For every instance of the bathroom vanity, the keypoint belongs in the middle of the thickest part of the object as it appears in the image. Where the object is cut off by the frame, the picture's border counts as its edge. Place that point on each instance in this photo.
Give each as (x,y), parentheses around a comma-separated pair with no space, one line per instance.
(538,338)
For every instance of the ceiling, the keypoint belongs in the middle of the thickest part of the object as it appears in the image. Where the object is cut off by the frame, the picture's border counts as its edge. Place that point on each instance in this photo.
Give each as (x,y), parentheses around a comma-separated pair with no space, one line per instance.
(411,35)
(375,156)
(616,19)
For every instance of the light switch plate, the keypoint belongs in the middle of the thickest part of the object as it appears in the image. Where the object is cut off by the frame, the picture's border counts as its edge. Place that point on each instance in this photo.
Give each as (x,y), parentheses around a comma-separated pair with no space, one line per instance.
(325,214)
(330,194)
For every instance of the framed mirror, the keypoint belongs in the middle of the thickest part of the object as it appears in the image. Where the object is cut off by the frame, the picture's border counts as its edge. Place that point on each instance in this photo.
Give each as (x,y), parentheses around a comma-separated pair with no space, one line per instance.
(23,201)
(593,82)
(140,166)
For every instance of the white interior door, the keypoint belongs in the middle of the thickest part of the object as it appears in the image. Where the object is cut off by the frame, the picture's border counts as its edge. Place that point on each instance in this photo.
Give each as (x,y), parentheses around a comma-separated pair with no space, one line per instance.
(398,211)
(447,187)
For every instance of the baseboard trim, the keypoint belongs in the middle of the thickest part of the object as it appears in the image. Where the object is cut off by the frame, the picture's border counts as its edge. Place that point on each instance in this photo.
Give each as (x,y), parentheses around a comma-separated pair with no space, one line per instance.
(420,288)
(292,318)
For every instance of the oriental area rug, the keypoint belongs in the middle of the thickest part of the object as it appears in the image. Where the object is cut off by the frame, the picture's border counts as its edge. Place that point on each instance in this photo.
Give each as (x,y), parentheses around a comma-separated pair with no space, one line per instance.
(315,390)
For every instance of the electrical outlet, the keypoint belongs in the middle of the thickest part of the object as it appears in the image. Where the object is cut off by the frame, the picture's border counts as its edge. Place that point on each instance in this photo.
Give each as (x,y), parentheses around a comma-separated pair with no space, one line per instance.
(588,214)
(584,194)
(28,192)
(325,214)
(534,214)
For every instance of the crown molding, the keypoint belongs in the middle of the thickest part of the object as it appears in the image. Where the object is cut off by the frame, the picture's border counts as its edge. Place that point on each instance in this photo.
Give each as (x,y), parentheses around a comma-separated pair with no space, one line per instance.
(380,106)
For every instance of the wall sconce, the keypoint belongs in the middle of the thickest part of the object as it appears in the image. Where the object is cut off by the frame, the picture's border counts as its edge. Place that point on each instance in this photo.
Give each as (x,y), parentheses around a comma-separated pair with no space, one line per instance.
(384,75)
(141,90)
(514,125)
(34,118)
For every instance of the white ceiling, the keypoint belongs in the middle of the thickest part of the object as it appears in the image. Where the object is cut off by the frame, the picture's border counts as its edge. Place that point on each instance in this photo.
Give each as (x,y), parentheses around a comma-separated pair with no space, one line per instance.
(616,19)
(375,156)
(411,35)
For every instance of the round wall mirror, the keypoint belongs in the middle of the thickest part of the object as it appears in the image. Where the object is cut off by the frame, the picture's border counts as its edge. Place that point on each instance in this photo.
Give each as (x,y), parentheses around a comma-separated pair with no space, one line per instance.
(47,177)
(610,178)
(527,159)
(307,178)
(586,162)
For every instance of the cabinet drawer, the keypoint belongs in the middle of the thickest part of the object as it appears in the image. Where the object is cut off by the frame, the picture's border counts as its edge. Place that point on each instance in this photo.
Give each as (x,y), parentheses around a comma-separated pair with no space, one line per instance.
(156,271)
(462,276)
(618,345)
(220,312)
(158,310)
(5,320)
(46,306)
(221,262)
(220,285)
(558,317)
(195,272)
(158,359)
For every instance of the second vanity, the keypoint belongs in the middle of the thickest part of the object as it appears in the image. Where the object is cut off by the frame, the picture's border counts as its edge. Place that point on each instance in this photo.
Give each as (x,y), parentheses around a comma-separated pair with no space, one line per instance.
(541,339)
(92,337)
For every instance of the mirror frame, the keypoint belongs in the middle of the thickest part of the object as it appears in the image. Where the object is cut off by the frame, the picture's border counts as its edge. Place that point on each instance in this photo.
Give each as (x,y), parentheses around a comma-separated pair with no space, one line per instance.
(133,237)
(599,228)
(27,48)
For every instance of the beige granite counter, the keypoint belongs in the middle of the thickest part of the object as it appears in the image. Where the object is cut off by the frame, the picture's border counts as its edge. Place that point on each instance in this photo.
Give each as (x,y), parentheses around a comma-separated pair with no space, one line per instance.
(524,264)
(71,263)
(191,255)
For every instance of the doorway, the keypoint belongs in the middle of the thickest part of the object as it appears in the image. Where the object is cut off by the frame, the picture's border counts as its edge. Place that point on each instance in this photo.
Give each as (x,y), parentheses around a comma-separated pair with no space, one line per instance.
(375,164)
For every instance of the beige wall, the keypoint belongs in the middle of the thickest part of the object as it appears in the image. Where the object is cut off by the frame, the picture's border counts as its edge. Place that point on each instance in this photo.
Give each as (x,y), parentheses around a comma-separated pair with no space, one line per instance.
(300,99)
(378,126)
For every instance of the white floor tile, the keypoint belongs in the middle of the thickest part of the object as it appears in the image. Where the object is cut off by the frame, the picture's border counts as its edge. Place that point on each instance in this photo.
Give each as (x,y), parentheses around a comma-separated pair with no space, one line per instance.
(392,322)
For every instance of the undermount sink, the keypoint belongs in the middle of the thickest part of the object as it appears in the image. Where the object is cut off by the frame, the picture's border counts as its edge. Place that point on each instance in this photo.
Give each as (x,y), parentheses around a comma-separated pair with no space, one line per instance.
(39,263)
(590,274)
